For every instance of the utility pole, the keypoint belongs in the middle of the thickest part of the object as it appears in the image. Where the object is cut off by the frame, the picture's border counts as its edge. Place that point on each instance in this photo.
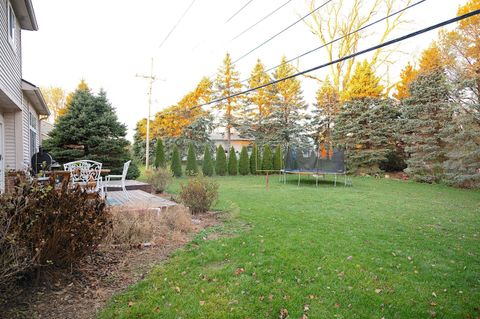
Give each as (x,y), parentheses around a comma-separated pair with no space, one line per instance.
(151,79)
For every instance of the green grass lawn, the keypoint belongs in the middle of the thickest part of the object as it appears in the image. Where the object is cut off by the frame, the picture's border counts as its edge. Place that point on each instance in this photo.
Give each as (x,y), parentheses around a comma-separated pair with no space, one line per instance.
(381,249)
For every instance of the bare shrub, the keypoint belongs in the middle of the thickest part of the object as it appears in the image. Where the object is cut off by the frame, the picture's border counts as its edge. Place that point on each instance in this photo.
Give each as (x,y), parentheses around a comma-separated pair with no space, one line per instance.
(159,178)
(199,194)
(131,227)
(42,225)
(177,218)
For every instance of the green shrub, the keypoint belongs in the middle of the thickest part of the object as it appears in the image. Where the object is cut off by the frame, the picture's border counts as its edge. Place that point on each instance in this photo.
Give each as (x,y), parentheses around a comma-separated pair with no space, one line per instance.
(255,163)
(267,161)
(199,194)
(277,159)
(176,165)
(221,162)
(232,162)
(133,171)
(159,178)
(192,168)
(243,165)
(43,226)
(207,165)
(159,154)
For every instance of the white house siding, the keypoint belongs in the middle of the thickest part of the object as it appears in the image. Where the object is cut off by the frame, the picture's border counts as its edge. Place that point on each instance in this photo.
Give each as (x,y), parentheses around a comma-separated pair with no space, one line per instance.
(10,149)
(10,58)
(27,109)
(2,152)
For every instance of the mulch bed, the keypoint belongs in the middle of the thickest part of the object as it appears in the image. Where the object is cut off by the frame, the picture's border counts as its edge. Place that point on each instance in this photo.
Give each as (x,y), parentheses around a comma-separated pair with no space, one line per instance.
(80,292)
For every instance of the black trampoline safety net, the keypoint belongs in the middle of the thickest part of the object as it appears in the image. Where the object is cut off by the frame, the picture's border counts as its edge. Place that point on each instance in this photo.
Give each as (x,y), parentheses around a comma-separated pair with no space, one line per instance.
(326,159)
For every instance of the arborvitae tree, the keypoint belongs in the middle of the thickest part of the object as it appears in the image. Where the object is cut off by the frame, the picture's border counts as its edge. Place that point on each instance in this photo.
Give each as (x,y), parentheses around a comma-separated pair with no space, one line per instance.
(243,165)
(285,119)
(226,84)
(462,137)
(207,166)
(91,125)
(221,162)
(255,164)
(425,113)
(232,162)
(277,158)
(160,160)
(192,168)
(267,160)
(176,165)
(367,129)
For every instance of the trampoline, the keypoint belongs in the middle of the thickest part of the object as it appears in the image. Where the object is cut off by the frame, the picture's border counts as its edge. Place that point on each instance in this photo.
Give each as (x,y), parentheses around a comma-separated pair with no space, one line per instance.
(326,160)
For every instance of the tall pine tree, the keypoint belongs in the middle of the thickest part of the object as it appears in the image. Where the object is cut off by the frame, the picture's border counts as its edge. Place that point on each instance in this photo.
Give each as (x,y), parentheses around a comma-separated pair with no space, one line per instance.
(285,119)
(226,84)
(90,129)
(326,108)
(425,113)
(176,165)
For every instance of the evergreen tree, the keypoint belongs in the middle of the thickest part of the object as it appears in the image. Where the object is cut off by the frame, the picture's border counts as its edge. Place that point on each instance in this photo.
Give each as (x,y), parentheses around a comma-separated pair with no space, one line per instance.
(221,162)
(243,165)
(366,128)
(191,169)
(90,129)
(285,119)
(257,106)
(426,112)
(255,164)
(326,108)
(267,160)
(226,84)
(277,159)
(159,154)
(462,137)
(232,162)
(207,166)
(176,165)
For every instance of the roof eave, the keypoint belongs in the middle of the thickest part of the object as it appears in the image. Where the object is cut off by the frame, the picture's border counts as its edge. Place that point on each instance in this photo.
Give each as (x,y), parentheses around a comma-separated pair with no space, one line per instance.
(36,98)
(25,14)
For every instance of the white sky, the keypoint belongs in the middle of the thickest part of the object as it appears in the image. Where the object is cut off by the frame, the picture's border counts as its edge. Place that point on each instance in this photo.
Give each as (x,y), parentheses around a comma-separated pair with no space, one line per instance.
(107,42)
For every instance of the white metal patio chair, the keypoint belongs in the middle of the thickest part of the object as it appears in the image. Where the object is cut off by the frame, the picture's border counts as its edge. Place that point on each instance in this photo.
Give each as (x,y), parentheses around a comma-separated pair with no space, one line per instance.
(87,174)
(122,178)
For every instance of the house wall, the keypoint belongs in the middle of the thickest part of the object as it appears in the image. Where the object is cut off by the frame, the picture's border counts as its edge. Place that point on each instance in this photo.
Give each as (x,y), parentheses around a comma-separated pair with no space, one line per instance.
(237,145)
(10,148)
(10,58)
(2,152)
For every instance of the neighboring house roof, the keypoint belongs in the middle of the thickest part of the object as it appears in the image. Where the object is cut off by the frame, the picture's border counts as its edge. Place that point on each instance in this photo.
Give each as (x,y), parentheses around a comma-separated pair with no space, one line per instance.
(25,14)
(36,98)
(233,137)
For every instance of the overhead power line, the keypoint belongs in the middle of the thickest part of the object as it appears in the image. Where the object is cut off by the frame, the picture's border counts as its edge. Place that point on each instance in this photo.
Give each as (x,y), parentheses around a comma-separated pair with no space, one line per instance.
(176,24)
(285,29)
(350,56)
(261,20)
(343,37)
(238,11)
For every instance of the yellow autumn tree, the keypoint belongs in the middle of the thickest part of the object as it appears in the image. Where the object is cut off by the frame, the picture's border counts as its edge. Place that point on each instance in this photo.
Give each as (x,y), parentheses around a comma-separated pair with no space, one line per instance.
(262,98)
(227,84)
(408,74)
(363,84)
(462,49)
(431,59)
(327,107)
(55,97)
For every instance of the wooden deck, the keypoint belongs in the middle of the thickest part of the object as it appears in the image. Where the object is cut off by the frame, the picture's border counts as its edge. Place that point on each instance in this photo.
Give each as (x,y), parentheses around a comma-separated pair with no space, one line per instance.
(138,199)
(131,185)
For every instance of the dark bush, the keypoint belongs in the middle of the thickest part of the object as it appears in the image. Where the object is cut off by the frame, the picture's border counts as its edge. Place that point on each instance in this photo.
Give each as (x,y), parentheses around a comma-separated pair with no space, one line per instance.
(243,164)
(176,165)
(221,162)
(207,163)
(199,194)
(232,162)
(43,226)
(192,167)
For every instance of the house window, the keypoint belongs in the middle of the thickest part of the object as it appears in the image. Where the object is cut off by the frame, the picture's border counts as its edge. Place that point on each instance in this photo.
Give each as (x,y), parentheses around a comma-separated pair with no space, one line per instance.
(11,24)
(33,134)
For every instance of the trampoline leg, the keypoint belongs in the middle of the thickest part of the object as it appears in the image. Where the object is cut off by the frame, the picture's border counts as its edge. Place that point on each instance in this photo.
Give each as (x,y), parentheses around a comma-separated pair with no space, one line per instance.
(345,180)
(335,183)
(316,182)
(298,180)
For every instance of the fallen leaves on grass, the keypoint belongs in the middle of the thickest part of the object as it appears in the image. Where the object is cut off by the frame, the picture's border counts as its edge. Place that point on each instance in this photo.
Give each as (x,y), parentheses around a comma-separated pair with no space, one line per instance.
(283,313)
(239,271)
